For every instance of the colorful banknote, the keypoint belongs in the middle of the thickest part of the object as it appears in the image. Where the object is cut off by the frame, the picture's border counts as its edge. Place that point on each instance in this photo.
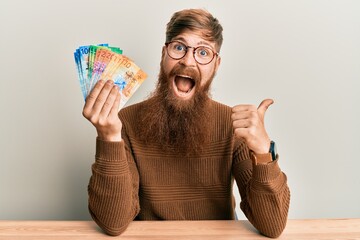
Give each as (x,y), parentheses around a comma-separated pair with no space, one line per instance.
(82,62)
(95,62)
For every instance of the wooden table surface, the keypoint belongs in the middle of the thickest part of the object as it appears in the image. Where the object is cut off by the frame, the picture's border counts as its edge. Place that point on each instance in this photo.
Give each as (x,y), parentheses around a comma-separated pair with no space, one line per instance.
(175,230)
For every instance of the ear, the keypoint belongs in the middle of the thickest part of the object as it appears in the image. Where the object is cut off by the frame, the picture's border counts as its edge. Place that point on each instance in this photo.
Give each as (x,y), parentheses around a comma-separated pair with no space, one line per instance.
(163,52)
(217,63)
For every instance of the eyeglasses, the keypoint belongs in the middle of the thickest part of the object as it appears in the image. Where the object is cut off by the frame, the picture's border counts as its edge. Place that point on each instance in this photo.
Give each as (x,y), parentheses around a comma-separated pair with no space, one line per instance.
(202,55)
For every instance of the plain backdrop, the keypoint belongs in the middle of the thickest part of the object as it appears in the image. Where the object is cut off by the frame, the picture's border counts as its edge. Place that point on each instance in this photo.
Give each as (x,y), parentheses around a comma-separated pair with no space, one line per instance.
(303,54)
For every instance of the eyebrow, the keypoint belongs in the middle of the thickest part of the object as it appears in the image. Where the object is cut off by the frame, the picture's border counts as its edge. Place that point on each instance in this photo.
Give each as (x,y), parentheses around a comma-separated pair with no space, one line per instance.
(201,43)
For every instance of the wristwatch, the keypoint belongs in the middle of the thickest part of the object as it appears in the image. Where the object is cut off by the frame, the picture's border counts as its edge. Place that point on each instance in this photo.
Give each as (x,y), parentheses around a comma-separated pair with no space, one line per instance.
(273,150)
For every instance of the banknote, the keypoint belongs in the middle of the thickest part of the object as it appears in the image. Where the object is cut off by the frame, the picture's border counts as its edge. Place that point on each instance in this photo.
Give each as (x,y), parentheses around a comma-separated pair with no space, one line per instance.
(127,75)
(95,62)
(81,59)
(79,70)
(99,58)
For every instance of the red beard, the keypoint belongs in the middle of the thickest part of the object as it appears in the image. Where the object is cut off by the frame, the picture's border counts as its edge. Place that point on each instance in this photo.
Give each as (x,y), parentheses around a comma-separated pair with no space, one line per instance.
(175,125)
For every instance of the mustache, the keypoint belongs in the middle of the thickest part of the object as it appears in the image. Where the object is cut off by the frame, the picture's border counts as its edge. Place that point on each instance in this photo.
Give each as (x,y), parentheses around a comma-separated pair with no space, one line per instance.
(187,71)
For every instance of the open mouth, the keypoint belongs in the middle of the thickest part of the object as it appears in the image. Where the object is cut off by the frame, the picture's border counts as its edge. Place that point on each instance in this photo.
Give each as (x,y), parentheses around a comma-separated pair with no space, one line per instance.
(183,86)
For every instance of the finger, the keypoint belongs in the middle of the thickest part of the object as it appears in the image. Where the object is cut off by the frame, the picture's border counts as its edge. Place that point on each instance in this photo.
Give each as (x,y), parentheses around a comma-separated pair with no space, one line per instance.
(108,104)
(264,105)
(241,133)
(115,108)
(243,115)
(242,123)
(91,98)
(102,97)
(244,107)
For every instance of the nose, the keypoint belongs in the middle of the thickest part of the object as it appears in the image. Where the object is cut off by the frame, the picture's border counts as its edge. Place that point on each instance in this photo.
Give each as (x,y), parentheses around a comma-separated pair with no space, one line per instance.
(188,59)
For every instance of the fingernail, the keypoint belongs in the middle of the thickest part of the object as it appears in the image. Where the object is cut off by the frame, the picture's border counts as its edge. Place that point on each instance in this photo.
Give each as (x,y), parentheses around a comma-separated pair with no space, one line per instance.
(101,81)
(109,82)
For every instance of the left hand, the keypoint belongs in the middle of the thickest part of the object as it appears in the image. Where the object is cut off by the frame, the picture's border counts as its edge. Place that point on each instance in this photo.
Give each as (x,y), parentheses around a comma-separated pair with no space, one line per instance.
(248,123)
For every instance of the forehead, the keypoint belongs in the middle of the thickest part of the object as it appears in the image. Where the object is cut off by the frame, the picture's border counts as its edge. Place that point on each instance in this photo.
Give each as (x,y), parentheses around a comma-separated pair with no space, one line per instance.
(193,39)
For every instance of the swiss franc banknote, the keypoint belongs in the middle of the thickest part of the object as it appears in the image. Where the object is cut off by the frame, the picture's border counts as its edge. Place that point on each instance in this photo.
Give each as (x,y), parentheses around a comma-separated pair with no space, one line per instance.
(95,62)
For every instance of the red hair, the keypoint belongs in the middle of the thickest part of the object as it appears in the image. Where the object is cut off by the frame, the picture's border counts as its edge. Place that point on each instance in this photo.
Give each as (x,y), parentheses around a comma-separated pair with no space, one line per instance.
(197,20)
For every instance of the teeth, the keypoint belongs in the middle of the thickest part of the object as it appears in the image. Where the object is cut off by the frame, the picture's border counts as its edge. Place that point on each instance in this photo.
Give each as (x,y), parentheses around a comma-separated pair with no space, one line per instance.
(184,76)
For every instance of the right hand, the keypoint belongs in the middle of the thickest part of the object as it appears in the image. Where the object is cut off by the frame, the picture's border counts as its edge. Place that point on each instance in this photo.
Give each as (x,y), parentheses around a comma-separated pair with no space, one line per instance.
(101,109)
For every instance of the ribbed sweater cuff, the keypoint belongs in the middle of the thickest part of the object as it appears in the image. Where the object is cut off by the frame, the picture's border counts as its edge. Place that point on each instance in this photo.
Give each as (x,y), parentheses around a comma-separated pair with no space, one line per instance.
(109,151)
(266,172)
(268,178)
(110,157)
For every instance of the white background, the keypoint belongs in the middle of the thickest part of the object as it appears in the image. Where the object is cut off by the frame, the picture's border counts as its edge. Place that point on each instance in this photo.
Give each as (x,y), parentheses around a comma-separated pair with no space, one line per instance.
(303,54)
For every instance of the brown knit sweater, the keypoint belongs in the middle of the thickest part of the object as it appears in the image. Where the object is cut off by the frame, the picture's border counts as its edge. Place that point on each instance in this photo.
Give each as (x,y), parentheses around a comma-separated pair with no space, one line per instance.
(133,181)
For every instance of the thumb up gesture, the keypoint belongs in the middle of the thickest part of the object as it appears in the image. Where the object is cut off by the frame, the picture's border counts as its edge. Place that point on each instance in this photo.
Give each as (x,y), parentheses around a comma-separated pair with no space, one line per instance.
(248,123)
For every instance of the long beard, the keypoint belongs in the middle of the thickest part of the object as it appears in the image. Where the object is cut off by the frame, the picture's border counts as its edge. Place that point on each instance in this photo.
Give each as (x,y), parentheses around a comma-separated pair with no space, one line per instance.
(178,126)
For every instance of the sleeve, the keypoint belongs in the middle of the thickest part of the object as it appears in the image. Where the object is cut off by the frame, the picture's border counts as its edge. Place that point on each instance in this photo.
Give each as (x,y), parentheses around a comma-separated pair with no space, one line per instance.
(265,195)
(113,187)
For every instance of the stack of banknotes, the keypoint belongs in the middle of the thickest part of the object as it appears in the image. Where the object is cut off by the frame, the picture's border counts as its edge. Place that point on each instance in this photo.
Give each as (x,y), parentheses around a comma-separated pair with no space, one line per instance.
(104,62)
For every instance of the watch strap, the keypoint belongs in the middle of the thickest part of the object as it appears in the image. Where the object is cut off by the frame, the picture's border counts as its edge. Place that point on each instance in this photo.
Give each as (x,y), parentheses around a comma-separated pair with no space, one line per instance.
(272,150)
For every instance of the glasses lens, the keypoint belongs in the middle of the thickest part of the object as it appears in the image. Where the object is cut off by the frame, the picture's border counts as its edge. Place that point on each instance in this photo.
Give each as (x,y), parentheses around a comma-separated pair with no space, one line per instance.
(176,50)
(203,55)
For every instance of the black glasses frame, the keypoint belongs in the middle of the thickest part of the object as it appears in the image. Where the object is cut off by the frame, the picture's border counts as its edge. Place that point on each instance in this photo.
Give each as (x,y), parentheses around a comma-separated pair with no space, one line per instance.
(186,50)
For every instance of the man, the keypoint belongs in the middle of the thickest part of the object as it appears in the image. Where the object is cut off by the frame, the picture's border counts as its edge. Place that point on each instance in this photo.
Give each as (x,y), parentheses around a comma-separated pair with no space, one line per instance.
(175,155)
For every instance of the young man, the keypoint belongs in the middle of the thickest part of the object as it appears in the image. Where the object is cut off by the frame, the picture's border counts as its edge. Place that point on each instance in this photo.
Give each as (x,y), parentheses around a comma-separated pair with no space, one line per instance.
(175,155)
